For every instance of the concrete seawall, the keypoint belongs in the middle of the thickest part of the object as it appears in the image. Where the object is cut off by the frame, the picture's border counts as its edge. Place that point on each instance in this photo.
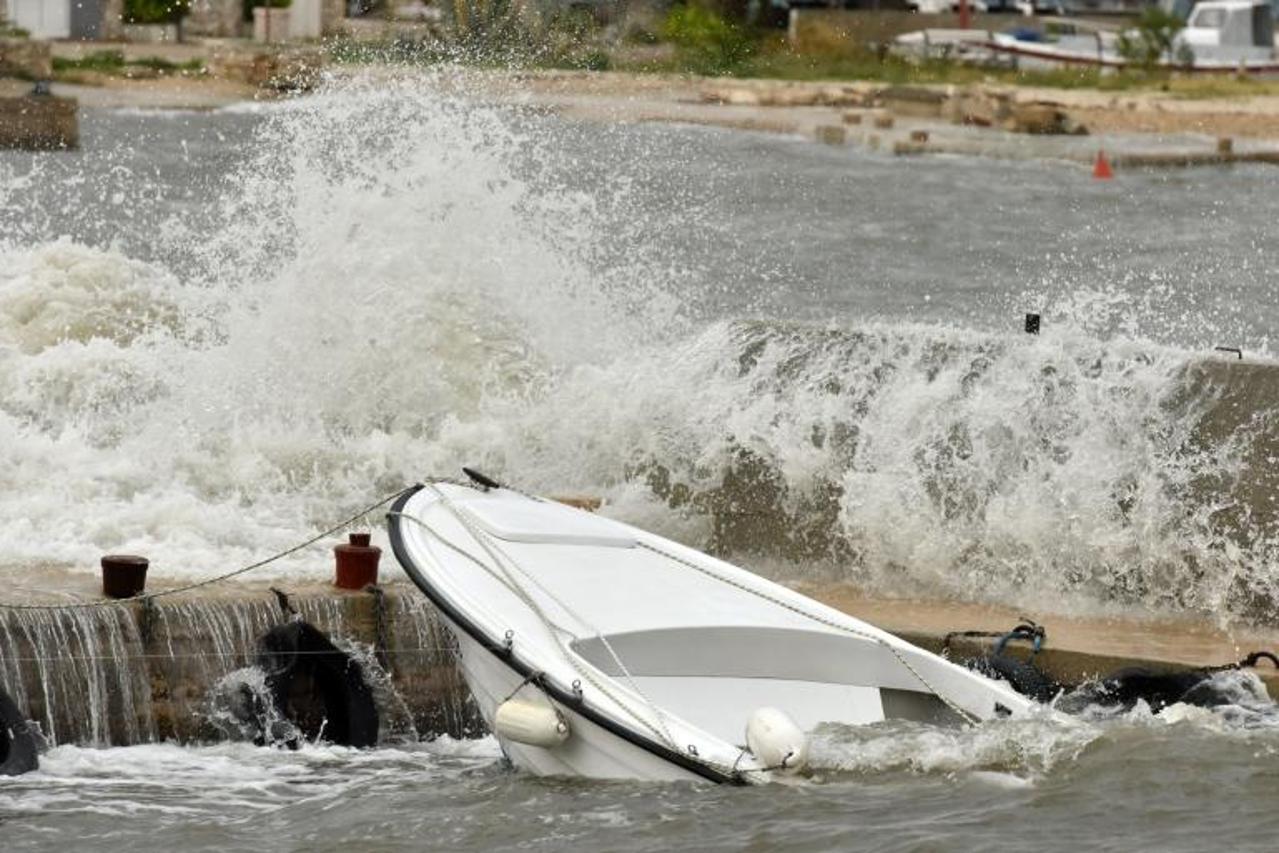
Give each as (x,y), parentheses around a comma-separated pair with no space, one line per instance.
(39,122)
(140,673)
(1227,406)
(135,672)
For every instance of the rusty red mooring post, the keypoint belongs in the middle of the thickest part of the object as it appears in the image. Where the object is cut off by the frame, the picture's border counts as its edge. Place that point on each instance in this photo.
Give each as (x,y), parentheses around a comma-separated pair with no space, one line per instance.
(356,562)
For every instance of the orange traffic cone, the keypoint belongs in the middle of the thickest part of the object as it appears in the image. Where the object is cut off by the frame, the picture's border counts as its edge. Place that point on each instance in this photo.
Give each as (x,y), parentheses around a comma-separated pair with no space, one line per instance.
(1101,169)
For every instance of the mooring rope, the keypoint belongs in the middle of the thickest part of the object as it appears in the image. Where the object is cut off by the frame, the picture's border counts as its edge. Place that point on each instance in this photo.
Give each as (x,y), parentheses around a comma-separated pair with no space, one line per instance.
(280,555)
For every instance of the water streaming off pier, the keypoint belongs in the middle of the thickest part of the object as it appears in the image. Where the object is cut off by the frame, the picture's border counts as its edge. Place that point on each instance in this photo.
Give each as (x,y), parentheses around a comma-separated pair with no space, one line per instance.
(121,675)
(221,332)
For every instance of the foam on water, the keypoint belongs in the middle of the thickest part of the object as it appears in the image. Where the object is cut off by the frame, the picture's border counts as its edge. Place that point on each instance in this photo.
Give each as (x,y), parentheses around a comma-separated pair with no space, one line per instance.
(398,281)
(224,783)
(895,786)
(1019,752)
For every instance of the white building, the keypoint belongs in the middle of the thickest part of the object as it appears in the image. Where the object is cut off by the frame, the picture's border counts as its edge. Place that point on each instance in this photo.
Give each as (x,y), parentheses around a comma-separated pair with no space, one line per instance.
(56,19)
(97,19)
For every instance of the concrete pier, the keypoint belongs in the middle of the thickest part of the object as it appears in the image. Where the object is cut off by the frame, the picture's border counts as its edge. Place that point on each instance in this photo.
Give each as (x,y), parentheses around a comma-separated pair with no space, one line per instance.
(150,672)
(1077,648)
(145,671)
(135,671)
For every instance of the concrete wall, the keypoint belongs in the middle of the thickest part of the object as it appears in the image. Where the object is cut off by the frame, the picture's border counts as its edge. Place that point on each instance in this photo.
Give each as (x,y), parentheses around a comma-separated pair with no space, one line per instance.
(113,19)
(140,673)
(279,67)
(27,59)
(332,14)
(1239,402)
(270,25)
(218,18)
(306,19)
(42,18)
(150,33)
(39,122)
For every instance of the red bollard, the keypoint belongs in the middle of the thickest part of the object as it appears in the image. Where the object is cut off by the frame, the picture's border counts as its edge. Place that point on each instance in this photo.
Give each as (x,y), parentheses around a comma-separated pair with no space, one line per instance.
(356,562)
(124,575)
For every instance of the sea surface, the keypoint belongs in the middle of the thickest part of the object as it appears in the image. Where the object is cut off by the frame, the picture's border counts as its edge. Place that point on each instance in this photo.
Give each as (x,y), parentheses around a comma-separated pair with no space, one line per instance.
(221,332)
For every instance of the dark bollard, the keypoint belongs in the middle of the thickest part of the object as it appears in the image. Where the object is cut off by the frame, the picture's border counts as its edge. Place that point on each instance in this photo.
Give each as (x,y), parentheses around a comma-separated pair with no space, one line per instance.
(1032,324)
(124,575)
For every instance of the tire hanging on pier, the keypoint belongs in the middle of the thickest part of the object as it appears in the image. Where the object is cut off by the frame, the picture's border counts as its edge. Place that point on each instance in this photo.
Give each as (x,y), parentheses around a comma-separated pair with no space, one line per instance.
(318,687)
(19,746)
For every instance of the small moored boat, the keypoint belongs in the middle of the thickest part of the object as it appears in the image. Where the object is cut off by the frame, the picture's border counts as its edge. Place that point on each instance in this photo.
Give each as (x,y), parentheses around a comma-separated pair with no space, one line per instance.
(598,650)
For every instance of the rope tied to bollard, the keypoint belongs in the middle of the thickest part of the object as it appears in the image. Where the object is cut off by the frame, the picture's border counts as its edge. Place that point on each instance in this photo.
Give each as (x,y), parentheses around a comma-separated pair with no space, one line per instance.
(279,555)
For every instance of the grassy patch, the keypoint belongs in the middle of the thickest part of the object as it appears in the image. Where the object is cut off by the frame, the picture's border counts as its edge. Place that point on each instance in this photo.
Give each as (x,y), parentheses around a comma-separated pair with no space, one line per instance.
(114,62)
(102,61)
(772,58)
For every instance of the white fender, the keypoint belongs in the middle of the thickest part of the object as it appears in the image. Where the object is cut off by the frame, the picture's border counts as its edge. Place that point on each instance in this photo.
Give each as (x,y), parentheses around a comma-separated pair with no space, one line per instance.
(775,741)
(531,723)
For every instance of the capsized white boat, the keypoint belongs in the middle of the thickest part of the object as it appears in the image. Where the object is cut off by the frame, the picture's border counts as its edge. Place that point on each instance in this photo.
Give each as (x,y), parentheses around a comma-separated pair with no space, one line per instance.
(598,650)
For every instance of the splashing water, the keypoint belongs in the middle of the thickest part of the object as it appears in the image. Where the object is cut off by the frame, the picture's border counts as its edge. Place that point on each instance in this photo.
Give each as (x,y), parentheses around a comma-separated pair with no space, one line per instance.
(396,280)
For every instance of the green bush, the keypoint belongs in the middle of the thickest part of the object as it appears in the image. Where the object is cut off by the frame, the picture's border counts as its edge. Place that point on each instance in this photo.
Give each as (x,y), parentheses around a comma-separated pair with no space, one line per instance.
(154,11)
(1152,39)
(707,43)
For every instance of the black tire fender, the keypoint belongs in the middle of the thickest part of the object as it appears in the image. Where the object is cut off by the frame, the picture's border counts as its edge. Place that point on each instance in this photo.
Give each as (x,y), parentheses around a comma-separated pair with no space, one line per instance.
(317,686)
(1022,676)
(19,744)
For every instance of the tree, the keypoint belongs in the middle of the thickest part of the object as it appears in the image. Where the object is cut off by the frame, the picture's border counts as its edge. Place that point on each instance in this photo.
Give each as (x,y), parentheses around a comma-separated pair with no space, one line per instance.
(1153,38)
(155,11)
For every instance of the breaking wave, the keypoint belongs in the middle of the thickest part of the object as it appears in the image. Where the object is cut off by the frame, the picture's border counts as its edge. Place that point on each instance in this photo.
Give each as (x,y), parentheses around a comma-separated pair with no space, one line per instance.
(396,281)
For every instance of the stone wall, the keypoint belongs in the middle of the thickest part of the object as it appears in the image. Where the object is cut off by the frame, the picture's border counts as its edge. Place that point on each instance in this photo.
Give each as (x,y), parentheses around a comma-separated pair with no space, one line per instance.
(274,66)
(40,122)
(332,13)
(113,19)
(218,18)
(27,59)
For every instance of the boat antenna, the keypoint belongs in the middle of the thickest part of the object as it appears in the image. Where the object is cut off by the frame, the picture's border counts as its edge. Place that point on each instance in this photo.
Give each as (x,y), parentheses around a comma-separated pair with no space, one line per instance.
(482,480)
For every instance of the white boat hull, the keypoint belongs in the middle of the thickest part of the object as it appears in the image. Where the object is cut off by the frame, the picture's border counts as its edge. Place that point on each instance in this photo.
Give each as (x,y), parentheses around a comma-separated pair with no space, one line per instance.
(591,751)
(657,656)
